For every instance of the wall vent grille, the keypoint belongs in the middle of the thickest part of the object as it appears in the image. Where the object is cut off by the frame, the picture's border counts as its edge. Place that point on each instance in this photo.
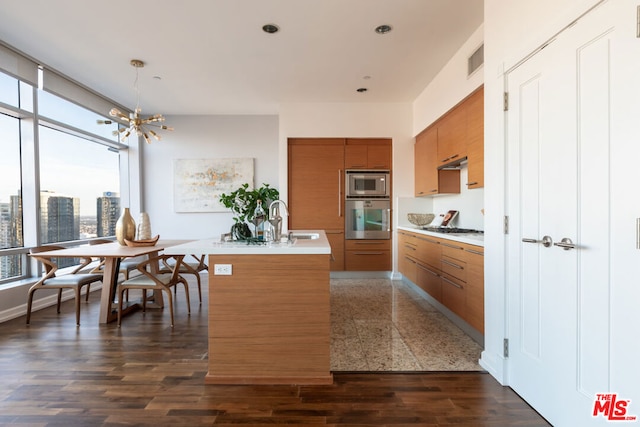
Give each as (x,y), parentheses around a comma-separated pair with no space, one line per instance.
(475,60)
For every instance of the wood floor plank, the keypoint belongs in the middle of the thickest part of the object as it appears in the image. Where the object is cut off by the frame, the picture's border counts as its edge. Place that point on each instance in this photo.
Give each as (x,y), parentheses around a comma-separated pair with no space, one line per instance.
(145,373)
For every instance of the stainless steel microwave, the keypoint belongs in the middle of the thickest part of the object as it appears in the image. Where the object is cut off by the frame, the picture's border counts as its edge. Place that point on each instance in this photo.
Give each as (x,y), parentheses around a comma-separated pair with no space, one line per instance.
(370,184)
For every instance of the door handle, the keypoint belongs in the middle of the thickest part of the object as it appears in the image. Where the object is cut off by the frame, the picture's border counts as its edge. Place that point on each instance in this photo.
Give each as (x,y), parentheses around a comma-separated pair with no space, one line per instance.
(565,244)
(546,241)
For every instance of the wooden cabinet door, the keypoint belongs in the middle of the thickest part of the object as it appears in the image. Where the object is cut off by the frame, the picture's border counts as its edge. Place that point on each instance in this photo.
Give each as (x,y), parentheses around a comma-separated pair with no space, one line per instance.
(475,287)
(452,129)
(475,139)
(429,280)
(316,183)
(336,240)
(379,156)
(368,255)
(367,153)
(355,157)
(454,295)
(429,251)
(428,179)
(407,250)
(425,158)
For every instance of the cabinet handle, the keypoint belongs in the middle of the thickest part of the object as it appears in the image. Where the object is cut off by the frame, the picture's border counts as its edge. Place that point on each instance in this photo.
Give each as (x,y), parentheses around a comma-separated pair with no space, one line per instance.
(420,192)
(422,267)
(452,246)
(410,260)
(452,283)
(380,167)
(339,193)
(472,183)
(367,243)
(435,190)
(408,246)
(449,158)
(368,253)
(459,267)
(471,251)
(429,240)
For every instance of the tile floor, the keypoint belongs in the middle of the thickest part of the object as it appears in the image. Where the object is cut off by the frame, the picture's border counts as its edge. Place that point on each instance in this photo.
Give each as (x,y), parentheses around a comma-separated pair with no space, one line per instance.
(385,325)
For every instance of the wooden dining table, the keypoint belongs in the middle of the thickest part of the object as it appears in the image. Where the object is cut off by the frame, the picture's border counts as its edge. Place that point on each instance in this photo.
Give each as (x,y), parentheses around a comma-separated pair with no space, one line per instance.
(112,253)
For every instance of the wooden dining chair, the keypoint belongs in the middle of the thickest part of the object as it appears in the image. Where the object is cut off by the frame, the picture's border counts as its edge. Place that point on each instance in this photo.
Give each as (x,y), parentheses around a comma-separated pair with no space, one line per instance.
(162,280)
(192,267)
(74,280)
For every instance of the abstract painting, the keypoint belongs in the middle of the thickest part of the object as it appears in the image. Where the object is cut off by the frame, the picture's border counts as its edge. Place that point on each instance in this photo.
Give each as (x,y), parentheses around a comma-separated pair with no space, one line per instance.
(198,183)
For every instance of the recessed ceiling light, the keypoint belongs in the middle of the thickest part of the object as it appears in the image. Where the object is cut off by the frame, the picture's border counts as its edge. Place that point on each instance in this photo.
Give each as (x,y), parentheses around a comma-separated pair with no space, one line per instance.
(361,89)
(383,29)
(270,28)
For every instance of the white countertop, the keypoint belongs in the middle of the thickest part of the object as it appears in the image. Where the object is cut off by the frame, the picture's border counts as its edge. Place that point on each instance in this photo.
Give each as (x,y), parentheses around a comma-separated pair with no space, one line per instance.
(214,246)
(469,238)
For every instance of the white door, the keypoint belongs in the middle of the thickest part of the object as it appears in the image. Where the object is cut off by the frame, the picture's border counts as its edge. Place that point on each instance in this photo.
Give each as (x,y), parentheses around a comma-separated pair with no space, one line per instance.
(567,113)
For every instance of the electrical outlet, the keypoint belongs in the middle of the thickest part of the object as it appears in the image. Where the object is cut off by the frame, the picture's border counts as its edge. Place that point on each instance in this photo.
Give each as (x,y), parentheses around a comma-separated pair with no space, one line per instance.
(222,269)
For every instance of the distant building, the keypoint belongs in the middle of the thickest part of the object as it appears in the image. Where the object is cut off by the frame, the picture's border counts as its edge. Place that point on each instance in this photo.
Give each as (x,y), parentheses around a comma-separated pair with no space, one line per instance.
(11,236)
(108,213)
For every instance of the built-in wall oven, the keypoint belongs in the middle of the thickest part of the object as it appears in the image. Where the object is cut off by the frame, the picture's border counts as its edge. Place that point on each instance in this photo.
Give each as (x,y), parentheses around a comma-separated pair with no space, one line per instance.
(367,205)
(367,219)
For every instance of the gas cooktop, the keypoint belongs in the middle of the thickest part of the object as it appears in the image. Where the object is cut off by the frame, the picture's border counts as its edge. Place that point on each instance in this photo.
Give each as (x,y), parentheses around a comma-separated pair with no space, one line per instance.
(452,230)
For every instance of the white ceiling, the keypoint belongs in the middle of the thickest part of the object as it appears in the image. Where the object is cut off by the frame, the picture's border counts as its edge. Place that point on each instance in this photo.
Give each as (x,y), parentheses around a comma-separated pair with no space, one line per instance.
(213,57)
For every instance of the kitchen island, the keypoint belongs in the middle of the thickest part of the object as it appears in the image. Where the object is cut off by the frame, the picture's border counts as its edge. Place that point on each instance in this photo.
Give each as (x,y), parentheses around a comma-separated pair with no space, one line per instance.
(269,314)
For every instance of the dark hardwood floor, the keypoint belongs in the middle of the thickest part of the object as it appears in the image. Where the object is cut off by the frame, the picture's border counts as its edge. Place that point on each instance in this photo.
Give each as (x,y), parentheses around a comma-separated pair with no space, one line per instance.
(53,373)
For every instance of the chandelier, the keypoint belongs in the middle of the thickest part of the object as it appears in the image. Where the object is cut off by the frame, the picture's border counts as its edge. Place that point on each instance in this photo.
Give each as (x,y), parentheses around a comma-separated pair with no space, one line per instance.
(137,124)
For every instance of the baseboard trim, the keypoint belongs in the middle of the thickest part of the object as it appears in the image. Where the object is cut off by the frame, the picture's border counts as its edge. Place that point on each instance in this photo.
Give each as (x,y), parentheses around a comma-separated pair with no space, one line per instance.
(40,303)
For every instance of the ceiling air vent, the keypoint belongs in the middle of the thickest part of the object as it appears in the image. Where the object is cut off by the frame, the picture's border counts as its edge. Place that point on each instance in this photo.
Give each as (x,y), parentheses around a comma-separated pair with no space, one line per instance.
(475,60)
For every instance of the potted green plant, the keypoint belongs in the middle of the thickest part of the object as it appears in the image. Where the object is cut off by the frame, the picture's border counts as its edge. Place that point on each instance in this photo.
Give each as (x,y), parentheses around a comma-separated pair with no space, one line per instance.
(243,202)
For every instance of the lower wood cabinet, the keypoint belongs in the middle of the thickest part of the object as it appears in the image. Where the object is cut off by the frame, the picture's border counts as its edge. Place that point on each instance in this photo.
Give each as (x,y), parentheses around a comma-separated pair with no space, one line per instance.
(429,281)
(368,255)
(451,272)
(475,287)
(336,240)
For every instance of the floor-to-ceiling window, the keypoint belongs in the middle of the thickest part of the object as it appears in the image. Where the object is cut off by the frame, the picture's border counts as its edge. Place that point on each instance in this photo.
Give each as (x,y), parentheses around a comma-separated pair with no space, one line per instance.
(60,174)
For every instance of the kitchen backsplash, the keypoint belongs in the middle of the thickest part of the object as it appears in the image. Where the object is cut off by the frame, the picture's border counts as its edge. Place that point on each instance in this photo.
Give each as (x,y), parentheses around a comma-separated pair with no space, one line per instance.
(469,204)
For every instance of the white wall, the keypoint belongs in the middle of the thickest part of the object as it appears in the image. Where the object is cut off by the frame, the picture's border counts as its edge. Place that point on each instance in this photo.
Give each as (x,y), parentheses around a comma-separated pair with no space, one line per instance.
(512,30)
(204,137)
(450,86)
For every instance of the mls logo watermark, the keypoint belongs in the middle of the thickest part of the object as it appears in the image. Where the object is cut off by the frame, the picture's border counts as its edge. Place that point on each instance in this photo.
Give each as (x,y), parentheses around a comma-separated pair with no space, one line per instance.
(611,408)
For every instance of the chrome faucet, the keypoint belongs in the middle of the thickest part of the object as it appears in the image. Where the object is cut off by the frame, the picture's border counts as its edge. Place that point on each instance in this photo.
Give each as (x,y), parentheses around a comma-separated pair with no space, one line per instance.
(275,219)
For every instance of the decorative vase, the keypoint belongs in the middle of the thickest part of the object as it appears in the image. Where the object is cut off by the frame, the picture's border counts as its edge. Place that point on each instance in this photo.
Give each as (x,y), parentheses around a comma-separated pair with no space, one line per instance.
(144,226)
(125,227)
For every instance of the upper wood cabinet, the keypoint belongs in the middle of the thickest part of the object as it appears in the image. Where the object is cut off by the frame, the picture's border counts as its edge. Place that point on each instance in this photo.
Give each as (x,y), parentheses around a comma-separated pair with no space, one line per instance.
(316,183)
(367,153)
(452,129)
(475,139)
(457,135)
(428,179)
